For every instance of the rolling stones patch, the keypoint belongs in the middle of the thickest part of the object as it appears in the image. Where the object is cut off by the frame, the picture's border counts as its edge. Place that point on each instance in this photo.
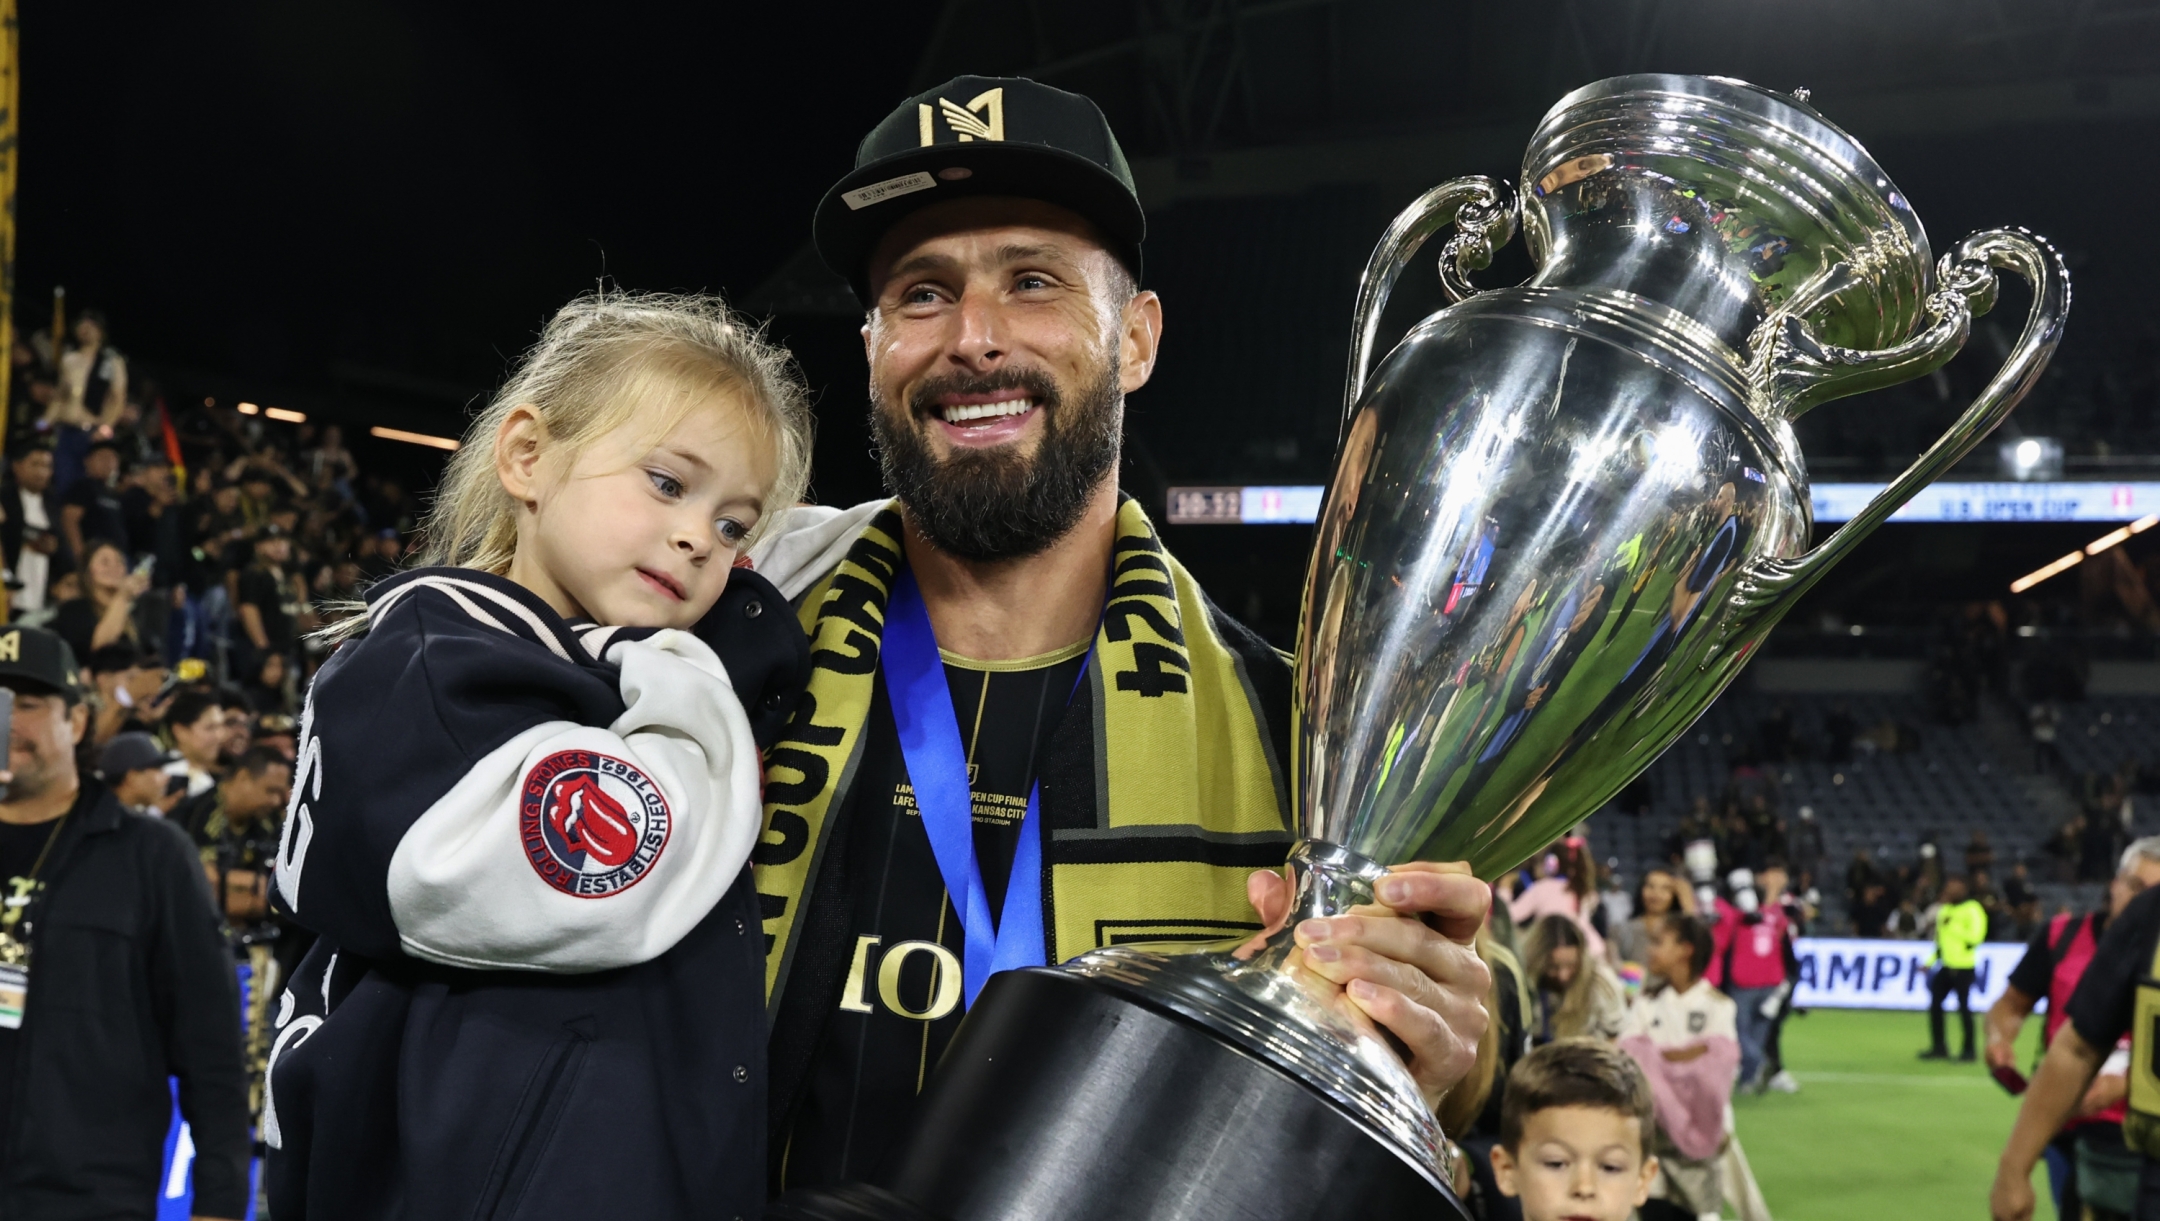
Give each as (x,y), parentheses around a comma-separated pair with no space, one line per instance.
(592,825)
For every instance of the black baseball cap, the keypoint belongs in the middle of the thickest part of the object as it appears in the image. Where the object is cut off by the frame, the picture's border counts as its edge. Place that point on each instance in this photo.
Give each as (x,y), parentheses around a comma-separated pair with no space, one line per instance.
(35,661)
(131,752)
(981,135)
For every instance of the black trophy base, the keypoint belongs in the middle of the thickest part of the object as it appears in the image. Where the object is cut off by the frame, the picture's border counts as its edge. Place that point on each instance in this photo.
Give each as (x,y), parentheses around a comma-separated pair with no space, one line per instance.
(1061,1099)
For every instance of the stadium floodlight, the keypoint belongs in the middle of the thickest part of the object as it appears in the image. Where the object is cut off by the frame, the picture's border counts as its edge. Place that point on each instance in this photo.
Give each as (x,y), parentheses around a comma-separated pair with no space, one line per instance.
(2095,547)
(413,438)
(246,408)
(2032,458)
(289,416)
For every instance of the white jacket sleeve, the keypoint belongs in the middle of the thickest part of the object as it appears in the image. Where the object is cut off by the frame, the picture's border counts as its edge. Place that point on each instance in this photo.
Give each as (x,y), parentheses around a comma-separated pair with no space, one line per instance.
(574,848)
(810,542)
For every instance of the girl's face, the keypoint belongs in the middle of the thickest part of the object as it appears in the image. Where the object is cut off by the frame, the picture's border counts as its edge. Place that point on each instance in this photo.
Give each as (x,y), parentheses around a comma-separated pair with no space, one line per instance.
(637,532)
(1561,967)
(107,569)
(1657,895)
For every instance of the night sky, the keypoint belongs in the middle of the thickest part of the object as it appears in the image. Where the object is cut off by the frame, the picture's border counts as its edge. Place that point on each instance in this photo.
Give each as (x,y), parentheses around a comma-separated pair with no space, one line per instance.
(286,195)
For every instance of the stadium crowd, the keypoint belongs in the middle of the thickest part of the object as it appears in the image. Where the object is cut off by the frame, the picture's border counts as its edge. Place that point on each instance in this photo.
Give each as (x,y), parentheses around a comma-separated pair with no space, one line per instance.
(183,556)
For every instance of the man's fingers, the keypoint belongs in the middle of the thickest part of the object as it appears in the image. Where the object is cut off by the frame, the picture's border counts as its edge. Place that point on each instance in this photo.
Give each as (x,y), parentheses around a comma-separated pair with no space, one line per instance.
(1453,900)
(1270,895)
(1444,960)
(1442,1047)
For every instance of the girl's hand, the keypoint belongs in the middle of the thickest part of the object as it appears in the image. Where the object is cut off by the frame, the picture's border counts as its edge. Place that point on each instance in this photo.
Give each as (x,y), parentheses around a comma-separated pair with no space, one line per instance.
(136,585)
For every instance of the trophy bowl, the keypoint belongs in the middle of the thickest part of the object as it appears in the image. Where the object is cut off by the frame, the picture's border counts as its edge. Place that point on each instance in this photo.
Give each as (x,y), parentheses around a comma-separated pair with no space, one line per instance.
(1563,515)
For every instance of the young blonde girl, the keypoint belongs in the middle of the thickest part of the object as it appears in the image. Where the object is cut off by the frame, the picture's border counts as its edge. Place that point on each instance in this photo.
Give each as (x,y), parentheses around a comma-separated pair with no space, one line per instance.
(526,798)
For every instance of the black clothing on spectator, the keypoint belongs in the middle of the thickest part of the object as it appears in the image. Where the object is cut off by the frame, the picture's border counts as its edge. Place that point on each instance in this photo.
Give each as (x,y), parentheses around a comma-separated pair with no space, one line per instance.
(130,985)
(102,515)
(11,529)
(267,588)
(153,529)
(76,622)
(1942,985)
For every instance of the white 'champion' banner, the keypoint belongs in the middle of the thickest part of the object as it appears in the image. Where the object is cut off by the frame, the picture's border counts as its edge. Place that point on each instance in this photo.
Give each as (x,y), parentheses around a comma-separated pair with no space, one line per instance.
(1857,973)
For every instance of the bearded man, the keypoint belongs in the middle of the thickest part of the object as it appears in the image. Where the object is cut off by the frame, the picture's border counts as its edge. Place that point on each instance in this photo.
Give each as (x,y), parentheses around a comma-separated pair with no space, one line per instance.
(1028,732)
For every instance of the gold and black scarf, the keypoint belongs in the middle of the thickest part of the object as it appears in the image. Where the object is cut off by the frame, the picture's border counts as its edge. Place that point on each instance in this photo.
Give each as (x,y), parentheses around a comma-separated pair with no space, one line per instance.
(1151,822)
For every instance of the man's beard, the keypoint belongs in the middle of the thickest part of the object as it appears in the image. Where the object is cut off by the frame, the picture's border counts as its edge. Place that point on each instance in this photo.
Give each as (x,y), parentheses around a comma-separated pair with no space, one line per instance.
(997,504)
(39,778)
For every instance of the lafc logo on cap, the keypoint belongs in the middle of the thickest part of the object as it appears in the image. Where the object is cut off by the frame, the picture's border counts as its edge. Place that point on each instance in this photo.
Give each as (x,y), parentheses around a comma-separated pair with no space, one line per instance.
(11,647)
(989,104)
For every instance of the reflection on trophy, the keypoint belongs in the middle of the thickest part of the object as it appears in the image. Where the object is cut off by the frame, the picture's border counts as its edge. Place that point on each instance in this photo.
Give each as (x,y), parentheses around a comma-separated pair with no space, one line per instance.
(1563,516)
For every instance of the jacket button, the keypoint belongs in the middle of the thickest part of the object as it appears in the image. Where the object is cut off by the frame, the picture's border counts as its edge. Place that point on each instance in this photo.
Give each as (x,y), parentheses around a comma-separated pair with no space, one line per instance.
(741,1074)
(753,609)
(738,926)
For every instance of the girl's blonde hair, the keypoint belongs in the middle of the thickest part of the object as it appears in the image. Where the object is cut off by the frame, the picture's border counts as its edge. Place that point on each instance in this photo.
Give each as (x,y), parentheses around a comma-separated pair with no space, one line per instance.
(597,365)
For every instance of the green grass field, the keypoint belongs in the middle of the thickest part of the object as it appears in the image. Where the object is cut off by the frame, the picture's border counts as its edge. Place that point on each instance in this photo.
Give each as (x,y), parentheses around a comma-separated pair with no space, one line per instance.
(1874,1132)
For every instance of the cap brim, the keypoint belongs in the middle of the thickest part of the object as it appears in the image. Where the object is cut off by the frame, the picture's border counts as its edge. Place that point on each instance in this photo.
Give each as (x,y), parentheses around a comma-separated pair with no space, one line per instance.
(846,236)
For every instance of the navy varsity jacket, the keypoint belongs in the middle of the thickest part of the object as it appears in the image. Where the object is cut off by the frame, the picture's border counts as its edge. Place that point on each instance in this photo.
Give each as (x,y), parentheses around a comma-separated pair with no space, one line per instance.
(538,989)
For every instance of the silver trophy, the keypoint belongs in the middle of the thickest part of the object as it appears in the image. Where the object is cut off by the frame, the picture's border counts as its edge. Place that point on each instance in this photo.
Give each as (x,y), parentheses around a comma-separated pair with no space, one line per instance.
(1563,516)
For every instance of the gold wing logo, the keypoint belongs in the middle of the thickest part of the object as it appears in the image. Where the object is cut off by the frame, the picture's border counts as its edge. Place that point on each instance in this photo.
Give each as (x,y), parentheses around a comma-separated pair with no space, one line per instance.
(983,118)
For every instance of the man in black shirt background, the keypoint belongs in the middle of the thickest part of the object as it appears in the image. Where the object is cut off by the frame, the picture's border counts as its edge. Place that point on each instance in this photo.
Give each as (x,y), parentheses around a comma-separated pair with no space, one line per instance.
(91,509)
(268,604)
(113,978)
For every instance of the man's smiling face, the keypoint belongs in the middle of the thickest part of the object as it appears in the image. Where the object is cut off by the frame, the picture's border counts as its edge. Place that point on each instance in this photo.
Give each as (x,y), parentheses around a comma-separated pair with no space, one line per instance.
(1001,345)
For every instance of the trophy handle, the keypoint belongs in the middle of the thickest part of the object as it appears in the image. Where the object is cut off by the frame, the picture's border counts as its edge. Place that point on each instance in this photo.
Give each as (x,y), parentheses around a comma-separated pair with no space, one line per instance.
(1967,279)
(1484,220)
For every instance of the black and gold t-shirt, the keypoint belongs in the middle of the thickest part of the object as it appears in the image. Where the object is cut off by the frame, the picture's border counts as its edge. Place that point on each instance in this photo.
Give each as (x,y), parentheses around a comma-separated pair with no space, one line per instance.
(902,999)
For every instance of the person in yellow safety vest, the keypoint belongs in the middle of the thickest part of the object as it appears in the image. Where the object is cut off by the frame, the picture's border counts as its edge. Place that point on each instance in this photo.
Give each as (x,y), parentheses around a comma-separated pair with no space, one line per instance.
(2118,994)
(1960,927)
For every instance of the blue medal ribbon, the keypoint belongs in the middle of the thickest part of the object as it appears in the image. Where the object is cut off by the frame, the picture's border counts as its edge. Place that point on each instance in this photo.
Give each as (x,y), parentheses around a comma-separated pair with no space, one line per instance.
(937,768)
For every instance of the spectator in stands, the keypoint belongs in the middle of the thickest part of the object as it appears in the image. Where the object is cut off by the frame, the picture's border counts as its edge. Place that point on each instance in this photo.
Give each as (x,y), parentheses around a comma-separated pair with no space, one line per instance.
(239,726)
(1685,1039)
(268,687)
(112,608)
(1960,927)
(110,702)
(1805,840)
(195,727)
(1573,992)
(133,766)
(92,392)
(133,984)
(30,535)
(149,503)
(1979,853)
(270,600)
(2089,1150)
(235,825)
(1870,914)
(90,509)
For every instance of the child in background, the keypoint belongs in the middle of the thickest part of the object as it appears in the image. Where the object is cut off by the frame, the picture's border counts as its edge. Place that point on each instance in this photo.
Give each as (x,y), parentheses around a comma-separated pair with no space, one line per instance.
(527,793)
(1685,1038)
(1575,1134)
